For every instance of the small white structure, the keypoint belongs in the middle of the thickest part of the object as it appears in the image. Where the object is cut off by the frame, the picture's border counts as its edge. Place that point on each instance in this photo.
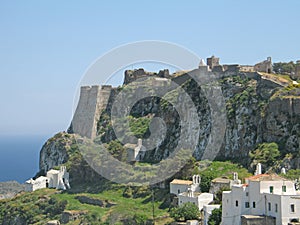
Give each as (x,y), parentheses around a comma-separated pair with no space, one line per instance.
(258,169)
(207,210)
(39,183)
(180,186)
(262,195)
(135,152)
(197,198)
(58,179)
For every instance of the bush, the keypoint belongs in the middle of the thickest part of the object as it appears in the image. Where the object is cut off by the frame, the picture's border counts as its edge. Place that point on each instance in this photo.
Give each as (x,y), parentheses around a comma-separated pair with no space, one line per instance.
(187,211)
(215,217)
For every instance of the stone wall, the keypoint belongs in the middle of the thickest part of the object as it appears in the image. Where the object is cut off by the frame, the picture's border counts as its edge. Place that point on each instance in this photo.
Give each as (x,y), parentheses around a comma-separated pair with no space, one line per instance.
(132,75)
(93,100)
(258,220)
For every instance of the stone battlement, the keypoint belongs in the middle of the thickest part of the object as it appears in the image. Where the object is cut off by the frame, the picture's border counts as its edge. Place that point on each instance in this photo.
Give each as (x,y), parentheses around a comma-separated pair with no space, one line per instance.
(132,75)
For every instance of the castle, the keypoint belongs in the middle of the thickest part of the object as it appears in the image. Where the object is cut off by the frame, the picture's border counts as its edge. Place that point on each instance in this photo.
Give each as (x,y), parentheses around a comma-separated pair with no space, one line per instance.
(93,100)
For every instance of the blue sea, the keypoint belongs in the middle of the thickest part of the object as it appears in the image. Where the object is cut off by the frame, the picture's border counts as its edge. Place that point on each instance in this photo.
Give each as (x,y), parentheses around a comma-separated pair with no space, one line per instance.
(19,157)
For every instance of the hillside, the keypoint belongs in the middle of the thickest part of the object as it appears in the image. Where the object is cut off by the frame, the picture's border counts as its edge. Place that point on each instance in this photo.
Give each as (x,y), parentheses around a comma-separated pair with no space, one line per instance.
(260,108)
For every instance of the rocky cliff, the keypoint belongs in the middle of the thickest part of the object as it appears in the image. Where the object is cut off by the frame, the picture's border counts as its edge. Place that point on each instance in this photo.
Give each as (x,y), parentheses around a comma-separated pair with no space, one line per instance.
(258,110)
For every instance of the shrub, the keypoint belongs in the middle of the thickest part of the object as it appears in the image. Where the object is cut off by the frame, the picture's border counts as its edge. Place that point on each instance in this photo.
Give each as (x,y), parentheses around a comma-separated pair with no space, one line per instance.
(187,211)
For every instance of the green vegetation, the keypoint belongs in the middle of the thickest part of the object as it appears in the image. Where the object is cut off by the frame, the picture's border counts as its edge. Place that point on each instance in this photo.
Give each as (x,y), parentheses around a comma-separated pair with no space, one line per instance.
(265,153)
(34,208)
(221,169)
(215,217)
(284,68)
(292,90)
(47,204)
(292,174)
(242,97)
(139,125)
(187,211)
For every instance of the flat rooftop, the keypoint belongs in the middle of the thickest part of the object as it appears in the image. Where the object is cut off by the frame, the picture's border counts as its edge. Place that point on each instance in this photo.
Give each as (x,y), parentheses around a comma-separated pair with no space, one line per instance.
(183,182)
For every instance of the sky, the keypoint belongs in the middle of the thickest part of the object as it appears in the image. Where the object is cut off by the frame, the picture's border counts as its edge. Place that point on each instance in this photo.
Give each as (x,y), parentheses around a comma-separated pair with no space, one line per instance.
(46,46)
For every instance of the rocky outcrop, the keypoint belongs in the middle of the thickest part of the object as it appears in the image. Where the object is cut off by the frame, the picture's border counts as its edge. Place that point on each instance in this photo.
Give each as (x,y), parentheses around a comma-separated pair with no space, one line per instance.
(93,201)
(55,151)
(71,215)
(255,114)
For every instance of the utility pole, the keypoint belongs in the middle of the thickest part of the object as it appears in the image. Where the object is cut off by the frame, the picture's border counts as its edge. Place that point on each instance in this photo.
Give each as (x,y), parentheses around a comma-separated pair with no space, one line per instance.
(153,216)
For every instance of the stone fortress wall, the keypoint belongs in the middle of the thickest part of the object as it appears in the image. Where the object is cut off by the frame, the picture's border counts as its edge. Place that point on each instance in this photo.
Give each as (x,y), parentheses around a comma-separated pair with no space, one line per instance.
(93,100)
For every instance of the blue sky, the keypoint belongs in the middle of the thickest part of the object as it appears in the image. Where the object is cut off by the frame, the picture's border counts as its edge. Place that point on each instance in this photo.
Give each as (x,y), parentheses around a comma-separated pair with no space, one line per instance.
(46,46)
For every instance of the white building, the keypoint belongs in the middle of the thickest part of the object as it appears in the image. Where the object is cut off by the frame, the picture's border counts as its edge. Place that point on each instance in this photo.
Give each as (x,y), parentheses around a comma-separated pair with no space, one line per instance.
(32,185)
(135,152)
(180,186)
(58,179)
(207,210)
(197,198)
(262,195)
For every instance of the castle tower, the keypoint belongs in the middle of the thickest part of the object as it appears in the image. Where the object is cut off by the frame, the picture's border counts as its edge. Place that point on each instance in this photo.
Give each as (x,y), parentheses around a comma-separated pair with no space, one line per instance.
(93,100)
(212,62)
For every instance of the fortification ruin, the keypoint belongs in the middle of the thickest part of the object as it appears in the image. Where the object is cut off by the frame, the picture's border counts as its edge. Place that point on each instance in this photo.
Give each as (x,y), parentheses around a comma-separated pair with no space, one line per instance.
(94,99)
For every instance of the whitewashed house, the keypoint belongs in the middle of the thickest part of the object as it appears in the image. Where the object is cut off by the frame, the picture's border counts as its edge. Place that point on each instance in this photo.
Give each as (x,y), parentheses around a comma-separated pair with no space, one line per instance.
(197,198)
(180,186)
(39,183)
(58,179)
(263,197)
(135,152)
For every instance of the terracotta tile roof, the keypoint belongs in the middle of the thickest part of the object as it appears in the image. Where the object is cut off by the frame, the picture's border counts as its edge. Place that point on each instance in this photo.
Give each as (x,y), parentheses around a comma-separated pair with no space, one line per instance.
(265,177)
(186,182)
(221,180)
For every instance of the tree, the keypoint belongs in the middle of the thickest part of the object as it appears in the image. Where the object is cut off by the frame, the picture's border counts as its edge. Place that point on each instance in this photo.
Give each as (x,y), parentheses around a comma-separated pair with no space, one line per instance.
(215,217)
(266,153)
(284,68)
(187,211)
(205,182)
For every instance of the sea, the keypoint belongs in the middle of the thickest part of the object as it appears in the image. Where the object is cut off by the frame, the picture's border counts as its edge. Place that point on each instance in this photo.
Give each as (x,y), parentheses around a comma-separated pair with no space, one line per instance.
(19,156)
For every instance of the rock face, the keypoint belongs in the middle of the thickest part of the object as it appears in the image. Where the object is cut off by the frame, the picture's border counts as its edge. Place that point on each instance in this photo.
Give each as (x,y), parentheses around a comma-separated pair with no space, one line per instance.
(92,201)
(255,112)
(55,151)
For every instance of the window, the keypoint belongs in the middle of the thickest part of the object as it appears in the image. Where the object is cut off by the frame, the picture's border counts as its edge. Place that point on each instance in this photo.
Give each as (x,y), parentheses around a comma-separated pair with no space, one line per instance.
(247,205)
(276,207)
(271,189)
(292,208)
(236,203)
(283,188)
(247,194)
(178,191)
(253,204)
(269,206)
